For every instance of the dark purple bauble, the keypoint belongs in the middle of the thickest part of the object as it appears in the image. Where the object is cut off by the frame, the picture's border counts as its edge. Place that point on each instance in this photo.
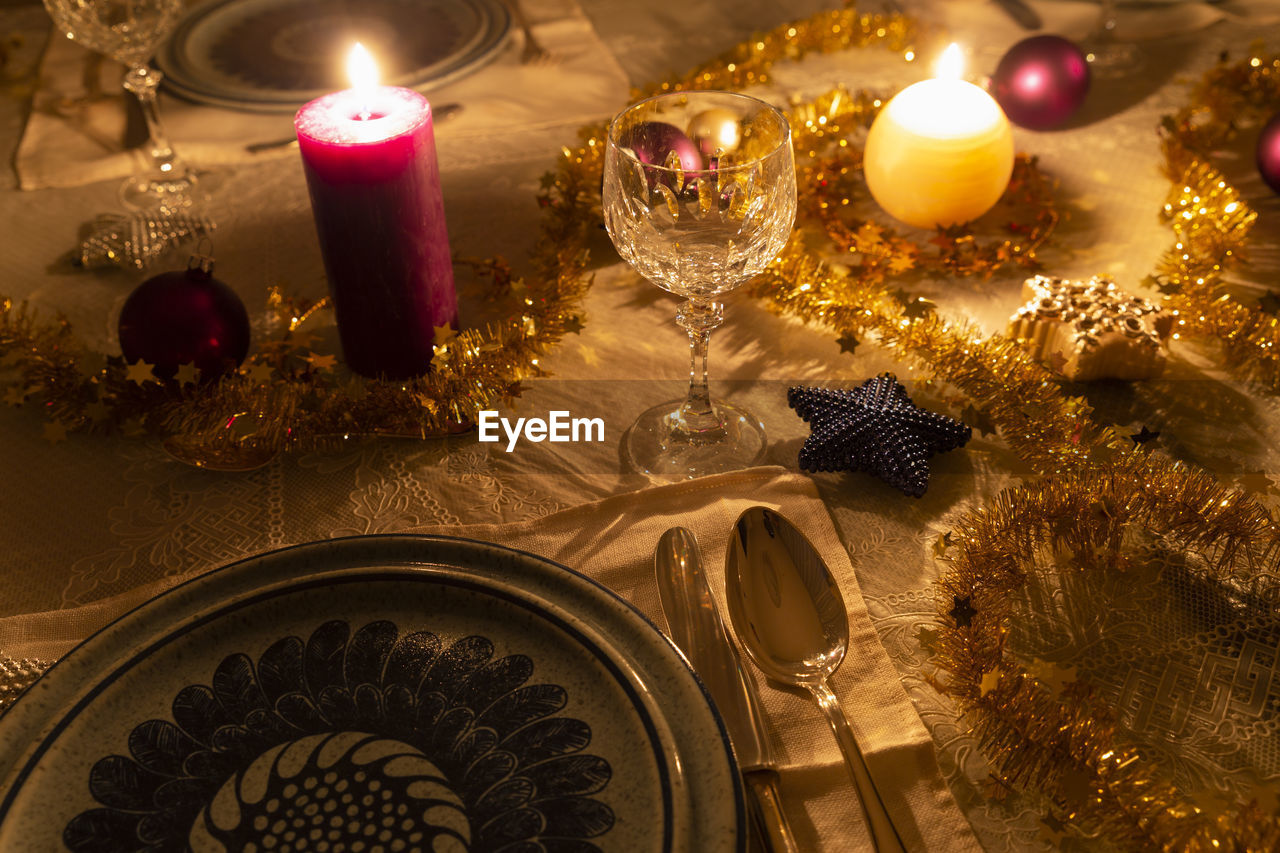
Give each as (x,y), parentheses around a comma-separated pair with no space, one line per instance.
(653,141)
(1041,82)
(1268,153)
(185,317)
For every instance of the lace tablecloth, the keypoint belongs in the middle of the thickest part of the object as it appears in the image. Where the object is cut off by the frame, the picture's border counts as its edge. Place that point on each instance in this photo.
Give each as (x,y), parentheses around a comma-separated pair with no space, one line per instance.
(90,518)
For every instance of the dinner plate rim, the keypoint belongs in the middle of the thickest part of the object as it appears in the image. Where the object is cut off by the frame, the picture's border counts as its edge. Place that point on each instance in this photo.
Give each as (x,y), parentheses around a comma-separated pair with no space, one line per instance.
(18,762)
(177,80)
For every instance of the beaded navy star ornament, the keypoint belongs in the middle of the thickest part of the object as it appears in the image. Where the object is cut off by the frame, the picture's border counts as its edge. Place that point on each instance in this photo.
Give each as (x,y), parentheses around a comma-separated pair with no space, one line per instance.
(874,428)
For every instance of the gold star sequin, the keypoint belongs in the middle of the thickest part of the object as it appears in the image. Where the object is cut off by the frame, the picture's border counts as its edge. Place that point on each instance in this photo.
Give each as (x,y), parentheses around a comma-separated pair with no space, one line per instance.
(990,681)
(187,374)
(322,362)
(259,374)
(54,432)
(141,372)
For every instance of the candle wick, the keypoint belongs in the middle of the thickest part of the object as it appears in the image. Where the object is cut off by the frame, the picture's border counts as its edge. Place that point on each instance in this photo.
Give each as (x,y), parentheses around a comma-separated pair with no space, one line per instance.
(365,114)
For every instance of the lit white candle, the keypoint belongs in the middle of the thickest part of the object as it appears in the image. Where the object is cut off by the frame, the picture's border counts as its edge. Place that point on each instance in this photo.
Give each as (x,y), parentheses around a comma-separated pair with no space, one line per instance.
(940,152)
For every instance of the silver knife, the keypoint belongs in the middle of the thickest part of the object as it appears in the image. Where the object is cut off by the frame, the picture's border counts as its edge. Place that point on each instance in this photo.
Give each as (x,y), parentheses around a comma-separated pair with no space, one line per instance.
(1022,13)
(696,627)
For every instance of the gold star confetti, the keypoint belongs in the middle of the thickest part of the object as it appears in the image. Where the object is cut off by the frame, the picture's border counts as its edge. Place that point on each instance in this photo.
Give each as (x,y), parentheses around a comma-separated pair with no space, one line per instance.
(141,372)
(848,343)
(979,419)
(941,544)
(928,638)
(54,432)
(97,411)
(990,681)
(1051,675)
(187,374)
(1144,436)
(15,395)
(259,373)
(1256,481)
(441,336)
(918,308)
(1052,829)
(322,362)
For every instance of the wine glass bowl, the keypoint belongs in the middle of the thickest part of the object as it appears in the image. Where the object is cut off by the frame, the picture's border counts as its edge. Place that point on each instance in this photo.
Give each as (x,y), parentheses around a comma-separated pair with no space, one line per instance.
(699,197)
(130,31)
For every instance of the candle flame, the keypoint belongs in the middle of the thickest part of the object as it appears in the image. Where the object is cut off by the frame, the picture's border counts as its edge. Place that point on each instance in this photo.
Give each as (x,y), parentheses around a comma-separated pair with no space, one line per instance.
(951,63)
(361,69)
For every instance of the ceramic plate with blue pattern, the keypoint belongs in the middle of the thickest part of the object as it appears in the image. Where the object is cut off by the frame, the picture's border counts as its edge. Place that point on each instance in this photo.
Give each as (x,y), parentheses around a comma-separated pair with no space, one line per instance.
(388,693)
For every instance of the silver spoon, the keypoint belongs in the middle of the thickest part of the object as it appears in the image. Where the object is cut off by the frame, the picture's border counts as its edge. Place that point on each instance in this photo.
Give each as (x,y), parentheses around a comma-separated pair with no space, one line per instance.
(789,616)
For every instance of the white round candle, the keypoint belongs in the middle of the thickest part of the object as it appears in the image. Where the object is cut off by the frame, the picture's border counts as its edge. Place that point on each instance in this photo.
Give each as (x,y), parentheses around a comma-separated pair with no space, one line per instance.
(940,152)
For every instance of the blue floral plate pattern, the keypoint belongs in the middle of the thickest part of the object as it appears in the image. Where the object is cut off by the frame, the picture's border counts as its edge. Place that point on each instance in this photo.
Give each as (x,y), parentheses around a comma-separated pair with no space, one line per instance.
(389,693)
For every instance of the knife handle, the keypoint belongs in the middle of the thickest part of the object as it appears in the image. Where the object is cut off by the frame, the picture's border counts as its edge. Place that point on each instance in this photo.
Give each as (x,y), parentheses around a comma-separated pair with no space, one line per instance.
(766,811)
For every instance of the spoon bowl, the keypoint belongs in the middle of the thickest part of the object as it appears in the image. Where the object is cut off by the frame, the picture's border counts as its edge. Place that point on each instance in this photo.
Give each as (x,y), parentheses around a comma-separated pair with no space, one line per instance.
(789,615)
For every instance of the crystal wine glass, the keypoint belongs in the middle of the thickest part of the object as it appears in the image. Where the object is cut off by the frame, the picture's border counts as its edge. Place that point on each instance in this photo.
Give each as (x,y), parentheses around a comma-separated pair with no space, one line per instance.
(699,196)
(129,31)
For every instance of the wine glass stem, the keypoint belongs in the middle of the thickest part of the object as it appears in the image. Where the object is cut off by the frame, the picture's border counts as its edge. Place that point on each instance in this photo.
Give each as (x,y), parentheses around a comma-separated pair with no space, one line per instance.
(1106,26)
(142,82)
(699,317)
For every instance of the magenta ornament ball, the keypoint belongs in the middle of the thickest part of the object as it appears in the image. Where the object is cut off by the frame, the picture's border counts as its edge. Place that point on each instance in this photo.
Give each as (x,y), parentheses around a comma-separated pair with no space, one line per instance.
(653,142)
(185,317)
(1268,153)
(1041,82)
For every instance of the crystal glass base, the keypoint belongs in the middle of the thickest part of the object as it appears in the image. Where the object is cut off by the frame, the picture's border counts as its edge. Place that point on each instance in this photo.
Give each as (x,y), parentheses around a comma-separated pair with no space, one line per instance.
(658,443)
(1111,60)
(143,192)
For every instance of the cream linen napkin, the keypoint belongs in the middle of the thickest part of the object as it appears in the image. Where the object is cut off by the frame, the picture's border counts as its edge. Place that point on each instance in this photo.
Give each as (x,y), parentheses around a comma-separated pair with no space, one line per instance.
(613,541)
(76,131)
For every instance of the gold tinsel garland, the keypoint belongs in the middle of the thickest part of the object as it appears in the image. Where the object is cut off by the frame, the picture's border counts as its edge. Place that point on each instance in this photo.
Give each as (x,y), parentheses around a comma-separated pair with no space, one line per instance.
(1209,218)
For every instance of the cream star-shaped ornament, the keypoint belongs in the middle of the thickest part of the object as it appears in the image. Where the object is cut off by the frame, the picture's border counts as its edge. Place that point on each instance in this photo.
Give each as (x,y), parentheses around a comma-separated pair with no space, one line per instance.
(1090,329)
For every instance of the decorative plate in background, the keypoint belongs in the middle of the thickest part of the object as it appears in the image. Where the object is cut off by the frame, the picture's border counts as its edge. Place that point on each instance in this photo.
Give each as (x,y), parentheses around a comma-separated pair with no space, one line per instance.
(389,692)
(275,55)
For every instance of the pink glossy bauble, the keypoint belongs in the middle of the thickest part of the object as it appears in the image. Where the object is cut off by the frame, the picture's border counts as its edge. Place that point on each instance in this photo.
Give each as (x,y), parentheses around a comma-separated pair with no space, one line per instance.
(1041,82)
(653,142)
(1268,153)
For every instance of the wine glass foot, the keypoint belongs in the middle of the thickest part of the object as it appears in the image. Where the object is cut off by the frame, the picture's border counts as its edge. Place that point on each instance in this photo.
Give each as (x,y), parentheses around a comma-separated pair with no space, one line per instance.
(1111,60)
(658,443)
(145,192)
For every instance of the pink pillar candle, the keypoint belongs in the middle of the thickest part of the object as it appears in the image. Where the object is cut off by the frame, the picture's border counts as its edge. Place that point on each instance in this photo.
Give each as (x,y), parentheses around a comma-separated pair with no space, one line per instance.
(370,161)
